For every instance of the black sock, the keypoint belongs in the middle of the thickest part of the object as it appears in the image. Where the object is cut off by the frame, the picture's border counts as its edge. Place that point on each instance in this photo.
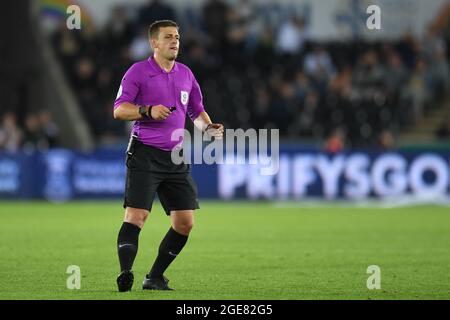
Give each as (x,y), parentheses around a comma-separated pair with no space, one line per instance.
(127,245)
(169,248)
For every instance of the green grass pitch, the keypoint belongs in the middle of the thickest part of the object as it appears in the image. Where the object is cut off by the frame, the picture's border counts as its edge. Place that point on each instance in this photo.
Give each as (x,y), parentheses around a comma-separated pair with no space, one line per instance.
(238,250)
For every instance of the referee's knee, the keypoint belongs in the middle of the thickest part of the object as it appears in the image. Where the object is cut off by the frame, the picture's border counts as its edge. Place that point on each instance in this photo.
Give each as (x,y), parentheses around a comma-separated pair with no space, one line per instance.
(184,227)
(136,216)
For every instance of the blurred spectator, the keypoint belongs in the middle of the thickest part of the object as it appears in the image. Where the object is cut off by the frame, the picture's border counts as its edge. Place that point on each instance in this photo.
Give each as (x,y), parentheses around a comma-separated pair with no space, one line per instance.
(215,20)
(435,55)
(90,39)
(283,105)
(66,44)
(34,137)
(264,54)
(336,141)
(386,140)
(440,74)
(155,10)
(341,84)
(368,73)
(301,85)
(10,133)
(443,132)
(261,106)
(396,74)
(49,129)
(291,36)
(306,124)
(245,25)
(318,63)
(85,72)
(319,67)
(140,46)
(432,44)
(119,29)
(408,48)
(416,91)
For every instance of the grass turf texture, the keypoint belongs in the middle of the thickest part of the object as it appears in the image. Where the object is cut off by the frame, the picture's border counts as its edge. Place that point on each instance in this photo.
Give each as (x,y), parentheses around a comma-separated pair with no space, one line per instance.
(237,250)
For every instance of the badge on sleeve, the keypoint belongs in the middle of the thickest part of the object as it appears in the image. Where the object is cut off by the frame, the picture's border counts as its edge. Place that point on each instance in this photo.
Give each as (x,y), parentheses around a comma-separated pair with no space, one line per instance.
(184,97)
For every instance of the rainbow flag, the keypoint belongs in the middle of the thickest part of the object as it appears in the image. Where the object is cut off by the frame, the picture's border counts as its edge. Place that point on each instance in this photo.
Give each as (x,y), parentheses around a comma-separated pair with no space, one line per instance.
(57,9)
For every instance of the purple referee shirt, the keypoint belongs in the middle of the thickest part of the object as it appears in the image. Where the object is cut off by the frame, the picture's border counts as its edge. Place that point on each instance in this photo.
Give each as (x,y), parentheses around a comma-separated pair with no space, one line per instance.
(146,83)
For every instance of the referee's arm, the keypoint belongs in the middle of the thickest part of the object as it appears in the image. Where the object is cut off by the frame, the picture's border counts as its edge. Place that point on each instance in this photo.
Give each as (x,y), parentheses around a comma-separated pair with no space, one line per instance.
(203,123)
(128,90)
(128,112)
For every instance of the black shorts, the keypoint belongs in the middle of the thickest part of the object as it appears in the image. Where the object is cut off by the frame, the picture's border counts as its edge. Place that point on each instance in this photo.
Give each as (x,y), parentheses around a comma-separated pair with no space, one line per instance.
(151,170)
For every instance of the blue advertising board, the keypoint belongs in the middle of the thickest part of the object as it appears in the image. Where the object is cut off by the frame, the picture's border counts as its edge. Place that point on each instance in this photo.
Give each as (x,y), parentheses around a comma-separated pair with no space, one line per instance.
(61,175)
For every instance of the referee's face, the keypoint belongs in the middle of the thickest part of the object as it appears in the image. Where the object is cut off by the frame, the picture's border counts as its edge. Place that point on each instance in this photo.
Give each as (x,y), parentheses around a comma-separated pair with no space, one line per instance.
(167,44)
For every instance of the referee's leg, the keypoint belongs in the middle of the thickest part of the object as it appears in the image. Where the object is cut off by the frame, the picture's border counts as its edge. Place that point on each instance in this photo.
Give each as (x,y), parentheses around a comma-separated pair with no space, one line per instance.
(127,240)
(182,222)
(127,244)
(136,216)
(140,188)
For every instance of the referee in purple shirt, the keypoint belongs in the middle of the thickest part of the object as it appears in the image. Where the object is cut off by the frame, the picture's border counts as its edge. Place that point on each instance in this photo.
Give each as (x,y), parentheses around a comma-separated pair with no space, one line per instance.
(157,93)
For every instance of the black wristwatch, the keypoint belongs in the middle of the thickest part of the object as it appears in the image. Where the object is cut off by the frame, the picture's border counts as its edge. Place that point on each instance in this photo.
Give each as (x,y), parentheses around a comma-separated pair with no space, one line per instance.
(145,111)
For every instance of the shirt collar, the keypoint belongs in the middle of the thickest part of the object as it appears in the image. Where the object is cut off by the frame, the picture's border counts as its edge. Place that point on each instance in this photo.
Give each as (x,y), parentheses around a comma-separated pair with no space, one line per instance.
(156,69)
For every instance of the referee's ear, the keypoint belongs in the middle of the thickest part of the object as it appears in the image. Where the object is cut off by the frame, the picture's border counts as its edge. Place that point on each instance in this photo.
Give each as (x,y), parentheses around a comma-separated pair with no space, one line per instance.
(152,44)
(152,40)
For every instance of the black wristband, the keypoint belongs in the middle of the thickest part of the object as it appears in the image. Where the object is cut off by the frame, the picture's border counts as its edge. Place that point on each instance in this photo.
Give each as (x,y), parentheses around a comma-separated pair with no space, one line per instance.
(149,112)
(145,112)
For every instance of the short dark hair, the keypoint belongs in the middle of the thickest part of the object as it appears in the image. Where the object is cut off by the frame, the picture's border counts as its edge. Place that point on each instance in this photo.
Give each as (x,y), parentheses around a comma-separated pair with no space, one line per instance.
(153,31)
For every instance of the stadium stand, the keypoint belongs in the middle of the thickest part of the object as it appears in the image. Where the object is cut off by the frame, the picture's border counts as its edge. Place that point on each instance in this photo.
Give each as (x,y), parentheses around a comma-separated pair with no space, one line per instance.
(260,70)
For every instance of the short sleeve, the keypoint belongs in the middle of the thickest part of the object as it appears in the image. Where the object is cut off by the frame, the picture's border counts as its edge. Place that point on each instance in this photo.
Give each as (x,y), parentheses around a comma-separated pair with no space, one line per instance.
(129,87)
(195,105)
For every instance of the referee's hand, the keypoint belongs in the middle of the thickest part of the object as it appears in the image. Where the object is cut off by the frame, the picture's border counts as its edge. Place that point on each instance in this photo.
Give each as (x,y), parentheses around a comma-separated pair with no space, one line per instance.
(215,130)
(160,112)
